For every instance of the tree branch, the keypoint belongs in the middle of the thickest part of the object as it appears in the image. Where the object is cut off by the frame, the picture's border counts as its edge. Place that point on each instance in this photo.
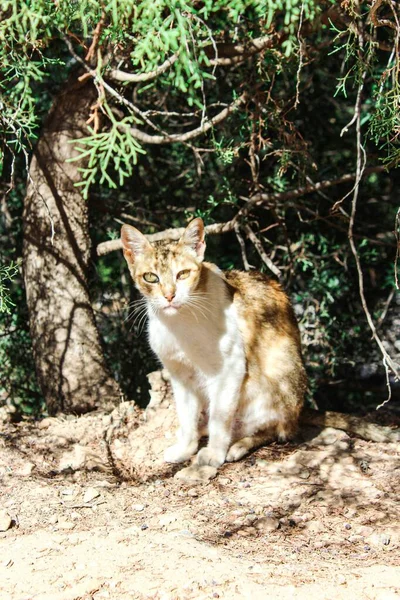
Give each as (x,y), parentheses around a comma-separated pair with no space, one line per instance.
(118,75)
(223,54)
(262,198)
(146,138)
(256,200)
(259,247)
(167,234)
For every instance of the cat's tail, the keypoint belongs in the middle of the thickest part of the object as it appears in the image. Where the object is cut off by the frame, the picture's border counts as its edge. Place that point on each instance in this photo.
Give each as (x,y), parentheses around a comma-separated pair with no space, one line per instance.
(355,425)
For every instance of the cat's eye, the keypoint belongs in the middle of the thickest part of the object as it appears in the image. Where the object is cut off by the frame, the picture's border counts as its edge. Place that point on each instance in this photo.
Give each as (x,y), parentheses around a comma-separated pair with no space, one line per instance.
(183,274)
(151,277)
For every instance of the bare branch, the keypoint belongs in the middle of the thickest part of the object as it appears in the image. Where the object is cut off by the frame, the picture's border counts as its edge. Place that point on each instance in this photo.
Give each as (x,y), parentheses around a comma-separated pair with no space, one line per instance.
(118,75)
(232,54)
(219,55)
(375,18)
(262,198)
(146,138)
(167,234)
(242,245)
(388,363)
(256,200)
(259,247)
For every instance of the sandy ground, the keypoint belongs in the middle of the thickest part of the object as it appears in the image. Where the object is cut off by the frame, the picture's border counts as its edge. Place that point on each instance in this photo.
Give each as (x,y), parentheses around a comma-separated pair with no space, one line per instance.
(92,512)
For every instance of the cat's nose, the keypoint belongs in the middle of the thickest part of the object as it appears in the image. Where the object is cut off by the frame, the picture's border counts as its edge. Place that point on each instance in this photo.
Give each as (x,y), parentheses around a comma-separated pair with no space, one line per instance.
(170,296)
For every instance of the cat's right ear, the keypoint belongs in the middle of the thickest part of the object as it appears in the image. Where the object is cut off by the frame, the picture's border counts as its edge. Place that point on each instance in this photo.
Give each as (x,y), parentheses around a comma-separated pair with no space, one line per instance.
(193,237)
(134,243)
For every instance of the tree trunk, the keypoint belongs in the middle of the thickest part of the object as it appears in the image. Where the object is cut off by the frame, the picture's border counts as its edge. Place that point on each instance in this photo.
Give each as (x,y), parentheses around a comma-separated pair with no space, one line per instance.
(69,360)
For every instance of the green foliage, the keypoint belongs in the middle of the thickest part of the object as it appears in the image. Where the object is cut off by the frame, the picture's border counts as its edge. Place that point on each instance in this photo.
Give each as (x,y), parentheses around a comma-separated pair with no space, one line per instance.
(7,274)
(111,153)
(301,94)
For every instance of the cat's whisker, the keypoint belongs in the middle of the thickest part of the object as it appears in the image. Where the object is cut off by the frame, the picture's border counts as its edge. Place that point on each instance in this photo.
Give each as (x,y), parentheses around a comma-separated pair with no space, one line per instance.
(198,308)
(142,323)
(196,302)
(139,316)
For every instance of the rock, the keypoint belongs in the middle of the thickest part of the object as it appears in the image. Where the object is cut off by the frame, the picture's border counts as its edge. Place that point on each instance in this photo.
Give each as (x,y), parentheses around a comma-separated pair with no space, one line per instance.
(365,531)
(5,520)
(314,526)
(27,469)
(267,524)
(224,480)
(195,475)
(46,422)
(355,538)
(68,492)
(379,539)
(168,518)
(53,519)
(304,474)
(138,507)
(90,494)
(192,492)
(65,524)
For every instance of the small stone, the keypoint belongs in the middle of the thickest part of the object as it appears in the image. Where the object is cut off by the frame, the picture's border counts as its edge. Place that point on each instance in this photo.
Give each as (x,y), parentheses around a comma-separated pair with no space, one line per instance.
(138,507)
(244,532)
(90,494)
(64,524)
(46,422)
(67,492)
(195,475)
(347,526)
(364,530)
(355,538)
(144,527)
(267,524)
(224,480)
(5,520)
(314,526)
(192,492)
(304,474)
(27,469)
(53,519)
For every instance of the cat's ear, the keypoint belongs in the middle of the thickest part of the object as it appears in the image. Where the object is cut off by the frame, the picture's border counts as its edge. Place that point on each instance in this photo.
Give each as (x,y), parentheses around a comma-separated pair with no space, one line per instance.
(134,243)
(193,236)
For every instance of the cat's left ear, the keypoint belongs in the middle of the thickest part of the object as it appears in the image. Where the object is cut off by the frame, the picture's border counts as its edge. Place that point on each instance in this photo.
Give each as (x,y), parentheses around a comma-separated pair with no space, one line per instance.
(194,237)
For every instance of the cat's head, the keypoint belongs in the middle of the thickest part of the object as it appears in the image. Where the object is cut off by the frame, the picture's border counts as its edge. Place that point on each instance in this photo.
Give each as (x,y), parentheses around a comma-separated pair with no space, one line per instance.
(167,273)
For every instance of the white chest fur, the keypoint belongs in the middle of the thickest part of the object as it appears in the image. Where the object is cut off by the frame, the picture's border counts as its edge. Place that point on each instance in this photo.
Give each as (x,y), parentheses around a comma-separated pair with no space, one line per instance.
(202,343)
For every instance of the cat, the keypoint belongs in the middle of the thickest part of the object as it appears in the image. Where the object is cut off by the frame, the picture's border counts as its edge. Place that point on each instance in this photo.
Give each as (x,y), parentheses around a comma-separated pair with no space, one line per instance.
(230,342)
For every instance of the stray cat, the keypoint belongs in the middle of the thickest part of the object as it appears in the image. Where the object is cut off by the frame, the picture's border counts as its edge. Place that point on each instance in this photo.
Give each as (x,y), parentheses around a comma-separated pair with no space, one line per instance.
(229,340)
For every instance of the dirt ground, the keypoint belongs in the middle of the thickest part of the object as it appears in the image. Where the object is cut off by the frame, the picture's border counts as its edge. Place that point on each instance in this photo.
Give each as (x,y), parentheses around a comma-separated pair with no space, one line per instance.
(88,510)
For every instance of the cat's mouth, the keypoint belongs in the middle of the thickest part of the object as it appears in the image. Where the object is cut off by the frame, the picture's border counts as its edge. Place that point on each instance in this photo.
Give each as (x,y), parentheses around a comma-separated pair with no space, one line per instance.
(171,309)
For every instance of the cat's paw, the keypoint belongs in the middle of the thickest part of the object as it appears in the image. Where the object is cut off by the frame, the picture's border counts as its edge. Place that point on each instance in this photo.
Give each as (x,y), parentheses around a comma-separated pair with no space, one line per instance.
(210,456)
(179,453)
(237,451)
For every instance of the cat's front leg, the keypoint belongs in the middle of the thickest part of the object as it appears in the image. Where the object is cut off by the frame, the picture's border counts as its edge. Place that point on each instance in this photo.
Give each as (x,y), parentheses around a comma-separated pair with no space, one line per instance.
(188,407)
(224,400)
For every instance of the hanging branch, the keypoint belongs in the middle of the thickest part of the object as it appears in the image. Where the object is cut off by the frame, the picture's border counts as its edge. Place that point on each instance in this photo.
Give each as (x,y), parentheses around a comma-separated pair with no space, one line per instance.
(256,200)
(388,363)
(259,247)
